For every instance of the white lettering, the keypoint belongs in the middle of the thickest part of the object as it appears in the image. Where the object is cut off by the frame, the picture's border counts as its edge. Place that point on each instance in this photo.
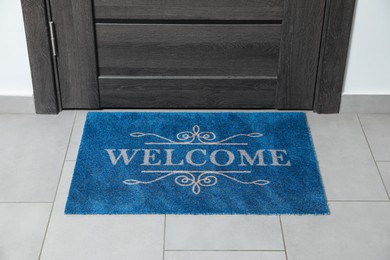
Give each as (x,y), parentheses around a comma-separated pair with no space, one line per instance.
(258,155)
(123,154)
(229,154)
(189,157)
(278,158)
(169,158)
(149,157)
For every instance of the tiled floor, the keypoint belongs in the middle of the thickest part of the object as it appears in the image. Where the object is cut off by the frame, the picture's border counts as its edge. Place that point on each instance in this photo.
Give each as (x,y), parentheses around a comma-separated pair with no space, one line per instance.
(37,158)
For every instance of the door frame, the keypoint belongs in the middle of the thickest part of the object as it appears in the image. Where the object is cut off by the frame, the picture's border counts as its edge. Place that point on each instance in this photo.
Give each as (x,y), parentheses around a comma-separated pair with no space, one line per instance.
(336,29)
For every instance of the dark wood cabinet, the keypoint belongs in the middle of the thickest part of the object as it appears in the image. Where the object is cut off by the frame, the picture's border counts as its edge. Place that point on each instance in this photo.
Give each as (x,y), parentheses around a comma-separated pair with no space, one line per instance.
(188,54)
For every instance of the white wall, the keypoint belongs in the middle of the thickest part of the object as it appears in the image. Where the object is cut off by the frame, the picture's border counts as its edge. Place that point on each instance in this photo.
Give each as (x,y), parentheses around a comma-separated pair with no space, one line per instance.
(15,76)
(368,67)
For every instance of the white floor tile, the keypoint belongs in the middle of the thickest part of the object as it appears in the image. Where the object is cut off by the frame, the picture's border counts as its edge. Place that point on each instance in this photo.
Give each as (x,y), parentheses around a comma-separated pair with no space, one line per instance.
(377,129)
(33,149)
(77,133)
(346,164)
(240,232)
(100,237)
(384,168)
(354,230)
(22,229)
(224,255)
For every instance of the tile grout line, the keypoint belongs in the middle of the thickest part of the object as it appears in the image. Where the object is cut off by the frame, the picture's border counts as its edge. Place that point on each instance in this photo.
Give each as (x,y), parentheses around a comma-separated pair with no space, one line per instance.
(71,138)
(222,250)
(284,241)
(58,184)
(372,155)
(165,227)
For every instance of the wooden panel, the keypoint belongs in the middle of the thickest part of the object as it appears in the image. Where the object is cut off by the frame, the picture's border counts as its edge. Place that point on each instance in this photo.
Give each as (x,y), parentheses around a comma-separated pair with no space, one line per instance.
(188,50)
(334,50)
(187,92)
(41,64)
(301,36)
(76,53)
(189,9)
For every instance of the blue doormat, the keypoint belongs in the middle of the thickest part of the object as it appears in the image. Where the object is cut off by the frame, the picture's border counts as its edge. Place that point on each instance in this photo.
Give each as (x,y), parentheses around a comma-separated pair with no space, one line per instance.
(196,163)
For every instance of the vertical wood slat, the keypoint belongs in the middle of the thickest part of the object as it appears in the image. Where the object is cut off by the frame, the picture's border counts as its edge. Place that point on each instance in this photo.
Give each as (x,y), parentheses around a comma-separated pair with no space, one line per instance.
(41,63)
(334,50)
(76,59)
(300,44)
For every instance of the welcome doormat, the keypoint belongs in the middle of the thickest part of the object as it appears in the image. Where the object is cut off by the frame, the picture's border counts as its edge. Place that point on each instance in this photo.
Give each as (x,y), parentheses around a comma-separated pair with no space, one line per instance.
(196,163)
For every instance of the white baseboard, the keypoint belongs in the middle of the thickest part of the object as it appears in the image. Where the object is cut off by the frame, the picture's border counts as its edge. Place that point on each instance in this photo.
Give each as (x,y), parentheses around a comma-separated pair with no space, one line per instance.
(17,105)
(365,104)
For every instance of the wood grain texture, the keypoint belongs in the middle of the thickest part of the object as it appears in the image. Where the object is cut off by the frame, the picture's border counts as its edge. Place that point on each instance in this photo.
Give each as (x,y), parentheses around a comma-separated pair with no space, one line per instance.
(189,9)
(188,50)
(41,64)
(186,92)
(334,51)
(300,44)
(76,53)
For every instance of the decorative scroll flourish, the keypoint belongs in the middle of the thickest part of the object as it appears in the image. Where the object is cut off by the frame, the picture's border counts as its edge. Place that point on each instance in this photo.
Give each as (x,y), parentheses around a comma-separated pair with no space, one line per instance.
(196,137)
(196,181)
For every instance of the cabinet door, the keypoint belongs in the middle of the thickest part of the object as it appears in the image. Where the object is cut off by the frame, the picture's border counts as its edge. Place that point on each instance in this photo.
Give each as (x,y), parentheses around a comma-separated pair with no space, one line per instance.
(188,54)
